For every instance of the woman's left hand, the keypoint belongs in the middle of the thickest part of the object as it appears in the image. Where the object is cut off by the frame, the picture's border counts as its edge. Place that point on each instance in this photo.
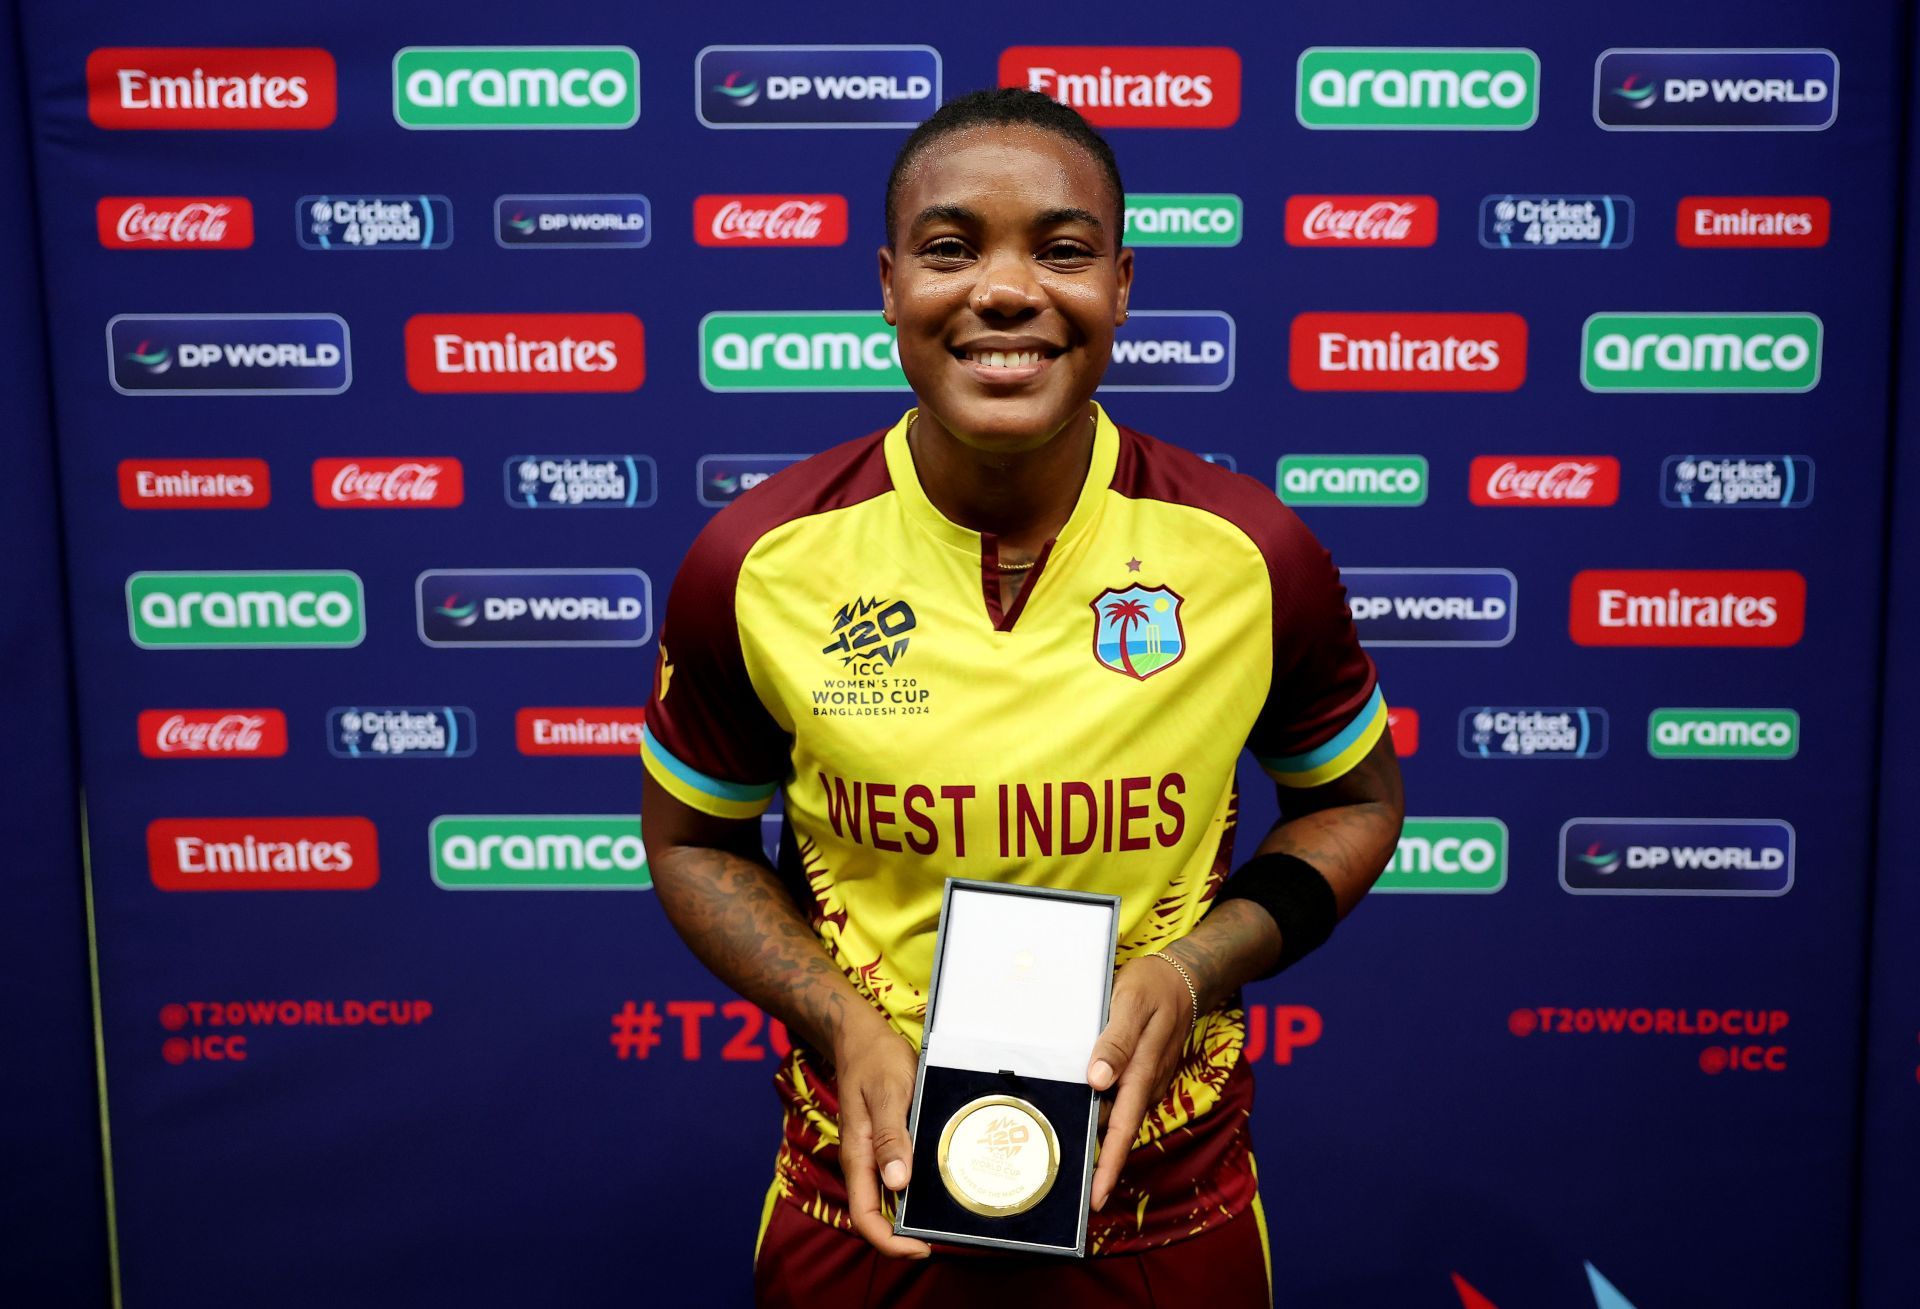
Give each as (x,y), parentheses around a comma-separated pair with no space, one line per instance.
(1147,1028)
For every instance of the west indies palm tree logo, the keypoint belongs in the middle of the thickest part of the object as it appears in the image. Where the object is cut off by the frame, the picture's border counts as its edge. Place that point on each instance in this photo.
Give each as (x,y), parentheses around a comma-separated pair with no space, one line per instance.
(1137,631)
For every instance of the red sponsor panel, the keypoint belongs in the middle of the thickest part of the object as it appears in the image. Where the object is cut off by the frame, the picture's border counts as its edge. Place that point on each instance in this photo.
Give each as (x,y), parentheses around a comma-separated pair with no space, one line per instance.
(580,729)
(1408,352)
(466,353)
(224,87)
(213,733)
(1133,85)
(194,483)
(388,483)
(770,220)
(1403,725)
(1554,481)
(174,222)
(262,854)
(1729,222)
(1687,606)
(1362,222)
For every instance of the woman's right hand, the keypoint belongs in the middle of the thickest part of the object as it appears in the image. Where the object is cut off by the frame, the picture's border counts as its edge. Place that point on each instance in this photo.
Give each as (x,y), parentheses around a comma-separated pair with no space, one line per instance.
(874,1069)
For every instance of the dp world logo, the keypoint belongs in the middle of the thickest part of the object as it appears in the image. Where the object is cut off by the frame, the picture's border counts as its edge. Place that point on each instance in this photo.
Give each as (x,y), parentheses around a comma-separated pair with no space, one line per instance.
(1716,90)
(775,86)
(1172,350)
(228,354)
(725,478)
(572,222)
(534,606)
(1676,856)
(1432,606)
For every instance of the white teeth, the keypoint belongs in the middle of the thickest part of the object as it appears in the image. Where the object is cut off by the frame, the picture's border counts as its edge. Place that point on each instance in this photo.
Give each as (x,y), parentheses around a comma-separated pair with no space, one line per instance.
(1006,358)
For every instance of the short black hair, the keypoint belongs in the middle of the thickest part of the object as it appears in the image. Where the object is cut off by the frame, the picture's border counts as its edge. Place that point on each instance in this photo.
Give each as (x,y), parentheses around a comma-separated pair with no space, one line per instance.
(1007,106)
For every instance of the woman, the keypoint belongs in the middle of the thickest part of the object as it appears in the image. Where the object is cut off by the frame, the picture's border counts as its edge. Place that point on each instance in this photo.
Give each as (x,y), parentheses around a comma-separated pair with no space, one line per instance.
(1007,639)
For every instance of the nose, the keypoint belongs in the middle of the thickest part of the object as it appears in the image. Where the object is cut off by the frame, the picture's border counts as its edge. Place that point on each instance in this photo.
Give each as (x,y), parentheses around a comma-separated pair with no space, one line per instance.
(1006,287)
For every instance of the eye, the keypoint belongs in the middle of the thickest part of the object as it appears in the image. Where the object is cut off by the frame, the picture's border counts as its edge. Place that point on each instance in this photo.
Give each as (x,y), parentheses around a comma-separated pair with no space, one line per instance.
(1065,252)
(945,249)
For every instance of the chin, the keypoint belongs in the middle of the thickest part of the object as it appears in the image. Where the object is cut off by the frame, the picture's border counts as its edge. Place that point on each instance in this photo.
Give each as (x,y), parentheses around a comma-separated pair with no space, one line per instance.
(1013,426)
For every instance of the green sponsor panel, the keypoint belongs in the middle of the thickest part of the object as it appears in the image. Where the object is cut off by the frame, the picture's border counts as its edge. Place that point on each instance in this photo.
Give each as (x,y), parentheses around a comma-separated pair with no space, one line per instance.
(540,86)
(1701,352)
(1387,88)
(1352,480)
(539,852)
(236,609)
(1723,733)
(1170,219)
(822,350)
(1465,856)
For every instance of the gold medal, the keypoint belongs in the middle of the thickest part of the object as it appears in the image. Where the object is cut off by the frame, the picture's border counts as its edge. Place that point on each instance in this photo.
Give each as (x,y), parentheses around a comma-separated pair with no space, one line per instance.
(998,1156)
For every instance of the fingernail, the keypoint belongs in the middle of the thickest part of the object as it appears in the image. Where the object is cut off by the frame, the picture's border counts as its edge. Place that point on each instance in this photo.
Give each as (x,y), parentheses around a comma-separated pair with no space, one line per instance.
(1100,1203)
(1100,1074)
(895,1175)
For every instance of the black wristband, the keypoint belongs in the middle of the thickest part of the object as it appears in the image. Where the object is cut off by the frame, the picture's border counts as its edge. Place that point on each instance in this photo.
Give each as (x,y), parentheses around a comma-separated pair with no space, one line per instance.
(1295,896)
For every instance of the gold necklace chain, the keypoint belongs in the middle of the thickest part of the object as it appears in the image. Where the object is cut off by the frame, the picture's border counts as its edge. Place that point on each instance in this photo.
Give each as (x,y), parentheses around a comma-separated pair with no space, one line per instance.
(1004,568)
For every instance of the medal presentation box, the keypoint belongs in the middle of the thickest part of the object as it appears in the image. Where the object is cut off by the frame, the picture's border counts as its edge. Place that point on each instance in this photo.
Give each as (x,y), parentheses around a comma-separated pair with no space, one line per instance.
(1003,1121)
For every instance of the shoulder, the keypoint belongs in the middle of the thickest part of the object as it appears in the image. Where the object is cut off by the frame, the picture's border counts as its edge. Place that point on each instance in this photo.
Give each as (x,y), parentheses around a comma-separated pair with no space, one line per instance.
(1151,469)
(836,478)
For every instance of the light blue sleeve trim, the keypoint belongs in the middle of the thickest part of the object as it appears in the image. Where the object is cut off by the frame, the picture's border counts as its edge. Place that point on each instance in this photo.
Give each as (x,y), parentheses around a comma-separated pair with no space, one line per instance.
(1324,754)
(698,780)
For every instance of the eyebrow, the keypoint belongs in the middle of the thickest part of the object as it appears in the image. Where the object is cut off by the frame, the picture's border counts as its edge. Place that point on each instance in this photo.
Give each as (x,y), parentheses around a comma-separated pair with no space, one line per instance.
(965,216)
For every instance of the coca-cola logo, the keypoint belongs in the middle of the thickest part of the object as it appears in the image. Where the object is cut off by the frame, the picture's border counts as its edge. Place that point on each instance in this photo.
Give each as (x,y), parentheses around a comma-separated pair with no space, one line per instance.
(220,222)
(1590,480)
(212,733)
(396,483)
(1362,220)
(770,220)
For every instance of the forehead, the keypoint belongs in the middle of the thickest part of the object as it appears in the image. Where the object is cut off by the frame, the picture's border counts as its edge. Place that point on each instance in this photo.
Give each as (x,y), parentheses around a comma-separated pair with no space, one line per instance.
(1015,164)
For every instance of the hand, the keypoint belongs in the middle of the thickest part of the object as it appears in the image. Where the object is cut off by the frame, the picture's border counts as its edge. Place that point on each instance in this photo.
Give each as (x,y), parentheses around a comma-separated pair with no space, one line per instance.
(1147,1028)
(874,1072)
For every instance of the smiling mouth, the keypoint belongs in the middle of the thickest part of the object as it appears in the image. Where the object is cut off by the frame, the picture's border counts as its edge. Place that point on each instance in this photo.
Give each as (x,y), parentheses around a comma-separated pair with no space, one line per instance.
(1006,358)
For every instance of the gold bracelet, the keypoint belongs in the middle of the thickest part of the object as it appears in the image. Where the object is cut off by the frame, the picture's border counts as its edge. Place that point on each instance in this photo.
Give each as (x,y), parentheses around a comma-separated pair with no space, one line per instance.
(1186,977)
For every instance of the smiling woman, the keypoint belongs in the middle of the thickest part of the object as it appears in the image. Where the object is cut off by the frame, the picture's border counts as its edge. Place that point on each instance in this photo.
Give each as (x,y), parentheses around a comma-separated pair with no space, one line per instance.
(1008,639)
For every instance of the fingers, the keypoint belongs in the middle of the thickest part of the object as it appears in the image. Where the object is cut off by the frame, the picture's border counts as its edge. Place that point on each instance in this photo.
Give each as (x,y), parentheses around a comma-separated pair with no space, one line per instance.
(1123,1124)
(860,1163)
(1113,1049)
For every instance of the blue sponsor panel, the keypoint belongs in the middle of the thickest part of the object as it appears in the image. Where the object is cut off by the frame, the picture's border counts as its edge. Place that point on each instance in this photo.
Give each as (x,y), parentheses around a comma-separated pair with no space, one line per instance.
(1716,90)
(1502,732)
(722,479)
(582,481)
(771,86)
(1556,222)
(572,222)
(228,354)
(1432,606)
(1172,350)
(373,222)
(1225,461)
(1736,481)
(400,732)
(1676,856)
(534,606)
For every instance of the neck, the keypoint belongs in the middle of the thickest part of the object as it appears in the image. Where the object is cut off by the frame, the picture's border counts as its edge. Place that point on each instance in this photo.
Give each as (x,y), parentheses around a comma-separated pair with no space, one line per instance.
(1022,497)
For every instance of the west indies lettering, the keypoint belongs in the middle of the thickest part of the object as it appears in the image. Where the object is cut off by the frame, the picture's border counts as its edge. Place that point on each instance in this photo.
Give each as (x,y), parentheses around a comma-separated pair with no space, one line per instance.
(1109,815)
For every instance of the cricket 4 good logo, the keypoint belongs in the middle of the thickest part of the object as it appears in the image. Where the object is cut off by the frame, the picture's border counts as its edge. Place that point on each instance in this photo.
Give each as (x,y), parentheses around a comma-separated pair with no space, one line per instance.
(1687,607)
(1753,222)
(453,353)
(1432,606)
(387,483)
(1556,222)
(1170,219)
(226,610)
(1172,350)
(1723,733)
(1554,481)
(1352,479)
(772,86)
(1466,856)
(213,733)
(572,222)
(373,222)
(175,222)
(1499,732)
(769,220)
(538,852)
(581,730)
(1676,856)
(1736,481)
(799,350)
(582,481)
(1408,352)
(498,86)
(1716,90)
(263,854)
(223,88)
(194,483)
(1439,88)
(228,354)
(1362,222)
(722,479)
(1132,85)
(392,732)
(534,606)
(1701,352)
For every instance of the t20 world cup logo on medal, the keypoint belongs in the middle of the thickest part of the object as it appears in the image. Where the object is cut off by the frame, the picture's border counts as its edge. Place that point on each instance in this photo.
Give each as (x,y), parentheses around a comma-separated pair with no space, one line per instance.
(998,1156)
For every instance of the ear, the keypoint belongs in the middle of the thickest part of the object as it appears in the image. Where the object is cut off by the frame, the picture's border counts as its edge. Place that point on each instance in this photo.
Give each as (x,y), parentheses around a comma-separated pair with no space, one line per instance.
(1123,274)
(886,284)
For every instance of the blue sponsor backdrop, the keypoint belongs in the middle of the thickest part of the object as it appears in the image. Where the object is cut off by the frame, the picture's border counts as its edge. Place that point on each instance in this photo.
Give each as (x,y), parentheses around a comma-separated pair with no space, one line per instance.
(519,1142)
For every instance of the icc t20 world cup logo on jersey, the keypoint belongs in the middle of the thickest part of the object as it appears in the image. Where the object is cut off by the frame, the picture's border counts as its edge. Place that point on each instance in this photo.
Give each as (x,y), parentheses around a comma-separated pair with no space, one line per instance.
(1137,631)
